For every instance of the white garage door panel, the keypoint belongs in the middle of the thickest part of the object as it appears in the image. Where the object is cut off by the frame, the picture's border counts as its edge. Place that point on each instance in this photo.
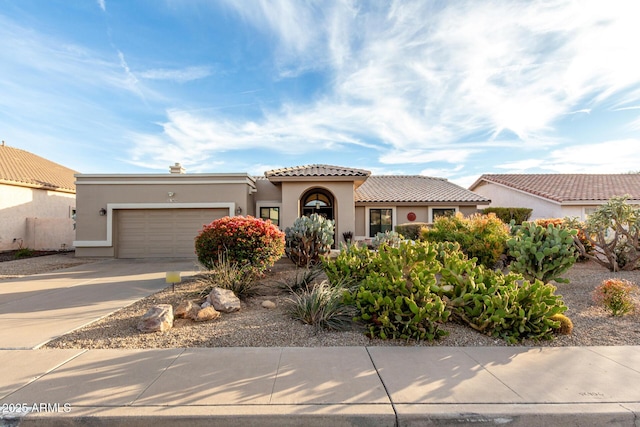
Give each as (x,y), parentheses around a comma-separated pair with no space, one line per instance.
(151,233)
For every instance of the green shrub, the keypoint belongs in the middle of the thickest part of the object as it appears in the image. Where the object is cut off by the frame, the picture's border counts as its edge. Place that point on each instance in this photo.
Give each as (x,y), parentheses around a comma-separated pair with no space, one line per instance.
(240,240)
(542,253)
(309,239)
(482,237)
(241,279)
(580,239)
(616,295)
(322,306)
(23,253)
(395,299)
(506,215)
(352,265)
(496,304)
(411,230)
(389,238)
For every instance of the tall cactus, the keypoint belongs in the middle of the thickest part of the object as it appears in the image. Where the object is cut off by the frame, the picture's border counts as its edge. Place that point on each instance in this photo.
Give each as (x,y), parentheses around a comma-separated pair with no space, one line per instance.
(542,253)
(309,239)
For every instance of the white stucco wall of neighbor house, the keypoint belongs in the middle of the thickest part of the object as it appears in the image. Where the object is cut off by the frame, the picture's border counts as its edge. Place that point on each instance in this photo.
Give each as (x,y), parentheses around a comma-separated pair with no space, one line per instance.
(504,197)
(35,218)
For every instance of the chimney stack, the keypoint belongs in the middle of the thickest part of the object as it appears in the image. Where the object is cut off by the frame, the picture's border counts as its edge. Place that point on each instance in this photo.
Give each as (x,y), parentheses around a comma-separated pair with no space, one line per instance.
(177,168)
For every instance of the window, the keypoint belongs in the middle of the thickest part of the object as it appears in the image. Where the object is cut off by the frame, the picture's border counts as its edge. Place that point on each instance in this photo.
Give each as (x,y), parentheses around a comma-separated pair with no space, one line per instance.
(271,213)
(438,212)
(380,220)
(318,201)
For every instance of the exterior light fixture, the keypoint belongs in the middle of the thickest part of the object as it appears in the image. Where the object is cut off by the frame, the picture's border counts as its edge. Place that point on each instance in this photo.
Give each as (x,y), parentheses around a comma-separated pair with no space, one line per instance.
(171,194)
(102,212)
(173,277)
(238,210)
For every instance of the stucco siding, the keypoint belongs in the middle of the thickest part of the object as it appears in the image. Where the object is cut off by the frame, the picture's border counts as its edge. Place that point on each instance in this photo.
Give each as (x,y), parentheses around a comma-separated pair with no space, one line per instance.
(52,210)
(344,209)
(505,197)
(96,235)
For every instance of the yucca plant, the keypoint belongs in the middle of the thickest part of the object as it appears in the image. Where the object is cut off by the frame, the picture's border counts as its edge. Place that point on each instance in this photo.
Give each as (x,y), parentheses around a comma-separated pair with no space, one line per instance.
(241,279)
(321,306)
(303,278)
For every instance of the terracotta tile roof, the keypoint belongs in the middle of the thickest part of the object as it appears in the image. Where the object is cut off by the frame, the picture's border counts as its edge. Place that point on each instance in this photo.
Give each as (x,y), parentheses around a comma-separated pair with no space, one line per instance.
(21,168)
(569,187)
(414,188)
(317,170)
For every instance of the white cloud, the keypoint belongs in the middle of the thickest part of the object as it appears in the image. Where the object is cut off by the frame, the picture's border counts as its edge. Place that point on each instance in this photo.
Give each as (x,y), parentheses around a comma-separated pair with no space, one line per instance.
(102,5)
(419,77)
(421,156)
(178,75)
(617,156)
(522,165)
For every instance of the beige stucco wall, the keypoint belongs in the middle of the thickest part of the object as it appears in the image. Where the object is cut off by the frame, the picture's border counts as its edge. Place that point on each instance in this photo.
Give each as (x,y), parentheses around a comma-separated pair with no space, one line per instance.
(342,192)
(95,233)
(52,209)
(505,197)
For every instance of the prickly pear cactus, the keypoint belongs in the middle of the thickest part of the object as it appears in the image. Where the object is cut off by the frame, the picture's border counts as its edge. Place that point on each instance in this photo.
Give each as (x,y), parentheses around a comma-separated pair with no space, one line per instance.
(542,253)
(309,239)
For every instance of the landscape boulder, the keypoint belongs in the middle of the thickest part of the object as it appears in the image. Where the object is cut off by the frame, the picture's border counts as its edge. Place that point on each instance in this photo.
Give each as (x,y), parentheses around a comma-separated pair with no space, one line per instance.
(268,304)
(158,318)
(187,310)
(207,313)
(224,300)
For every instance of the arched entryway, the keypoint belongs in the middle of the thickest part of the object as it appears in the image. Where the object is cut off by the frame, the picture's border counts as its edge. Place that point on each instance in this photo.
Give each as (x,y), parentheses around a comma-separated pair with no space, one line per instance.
(318,201)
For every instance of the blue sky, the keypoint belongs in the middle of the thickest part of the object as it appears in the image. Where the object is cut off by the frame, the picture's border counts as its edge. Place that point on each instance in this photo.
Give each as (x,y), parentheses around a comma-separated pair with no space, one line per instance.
(443,88)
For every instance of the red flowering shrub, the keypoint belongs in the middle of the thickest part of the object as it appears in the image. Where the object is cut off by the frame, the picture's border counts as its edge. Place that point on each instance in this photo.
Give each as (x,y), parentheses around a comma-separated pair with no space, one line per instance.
(241,240)
(616,295)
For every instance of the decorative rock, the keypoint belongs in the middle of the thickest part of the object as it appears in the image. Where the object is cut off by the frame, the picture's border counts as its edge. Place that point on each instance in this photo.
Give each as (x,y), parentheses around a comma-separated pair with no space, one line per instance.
(159,318)
(224,300)
(206,304)
(207,313)
(187,310)
(268,304)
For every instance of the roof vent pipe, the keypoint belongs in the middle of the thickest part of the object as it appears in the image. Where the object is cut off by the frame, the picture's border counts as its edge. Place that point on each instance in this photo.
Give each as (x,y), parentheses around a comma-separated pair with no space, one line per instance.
(177,168)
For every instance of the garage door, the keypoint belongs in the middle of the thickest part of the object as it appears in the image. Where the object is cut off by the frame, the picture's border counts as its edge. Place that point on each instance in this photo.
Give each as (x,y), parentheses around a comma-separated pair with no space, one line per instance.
(155,233)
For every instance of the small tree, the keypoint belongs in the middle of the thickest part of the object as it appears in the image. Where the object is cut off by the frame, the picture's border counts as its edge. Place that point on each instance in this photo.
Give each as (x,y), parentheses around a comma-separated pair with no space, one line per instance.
(614,231)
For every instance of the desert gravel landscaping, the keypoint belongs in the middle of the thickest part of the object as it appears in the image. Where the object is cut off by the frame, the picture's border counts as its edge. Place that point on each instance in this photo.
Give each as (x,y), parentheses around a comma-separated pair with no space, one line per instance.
(255,326)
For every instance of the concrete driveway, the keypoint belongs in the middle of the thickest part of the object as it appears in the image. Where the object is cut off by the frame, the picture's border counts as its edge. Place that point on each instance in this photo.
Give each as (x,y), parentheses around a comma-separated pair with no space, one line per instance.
(36,309)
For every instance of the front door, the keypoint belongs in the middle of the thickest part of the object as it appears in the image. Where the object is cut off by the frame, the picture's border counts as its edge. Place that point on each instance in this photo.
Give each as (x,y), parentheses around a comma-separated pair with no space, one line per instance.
(318,201)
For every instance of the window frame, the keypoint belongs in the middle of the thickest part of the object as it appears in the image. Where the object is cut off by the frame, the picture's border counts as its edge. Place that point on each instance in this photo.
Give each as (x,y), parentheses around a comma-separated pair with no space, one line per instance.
(269,205)
(432,208)
(368,218)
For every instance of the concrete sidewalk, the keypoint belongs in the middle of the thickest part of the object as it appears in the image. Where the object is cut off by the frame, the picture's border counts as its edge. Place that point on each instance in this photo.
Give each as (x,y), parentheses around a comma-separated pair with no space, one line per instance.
(35,309)
(340,386)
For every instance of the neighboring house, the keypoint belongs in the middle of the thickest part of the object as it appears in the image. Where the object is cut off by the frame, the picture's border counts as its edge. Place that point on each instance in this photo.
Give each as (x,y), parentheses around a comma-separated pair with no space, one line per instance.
(37,202)
(557,195)
(158,215)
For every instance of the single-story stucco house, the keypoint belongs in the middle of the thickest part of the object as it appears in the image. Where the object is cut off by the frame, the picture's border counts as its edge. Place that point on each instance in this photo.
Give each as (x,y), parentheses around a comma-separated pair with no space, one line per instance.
(37,202)
(557,195)
(158,215)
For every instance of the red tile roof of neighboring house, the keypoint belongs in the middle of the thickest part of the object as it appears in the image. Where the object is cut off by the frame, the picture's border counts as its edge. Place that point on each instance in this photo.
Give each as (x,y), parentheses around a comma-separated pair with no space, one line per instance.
(414,189)
(317,171)
(569,187)
(24,169)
